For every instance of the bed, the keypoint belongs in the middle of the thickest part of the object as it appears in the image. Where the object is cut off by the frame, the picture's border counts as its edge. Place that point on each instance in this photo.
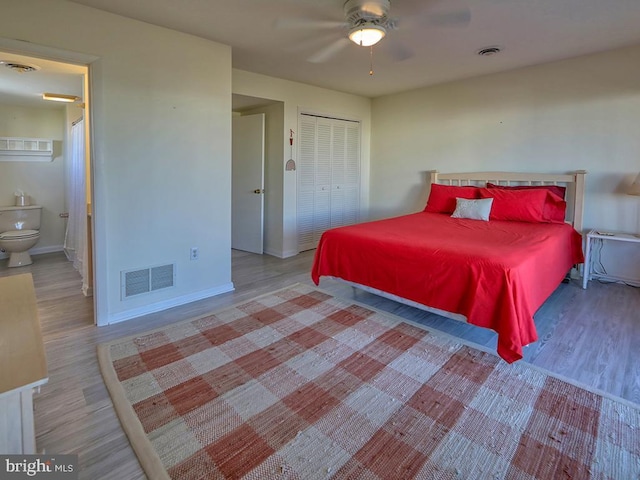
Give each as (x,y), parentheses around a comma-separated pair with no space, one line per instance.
(493,272)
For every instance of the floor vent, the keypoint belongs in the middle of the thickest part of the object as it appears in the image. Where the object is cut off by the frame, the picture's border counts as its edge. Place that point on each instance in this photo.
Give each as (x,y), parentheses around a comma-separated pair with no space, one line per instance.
(146,280)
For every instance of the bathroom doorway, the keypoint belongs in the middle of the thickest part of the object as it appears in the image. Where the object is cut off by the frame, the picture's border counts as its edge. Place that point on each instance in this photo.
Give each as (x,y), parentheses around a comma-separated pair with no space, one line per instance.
(26,113)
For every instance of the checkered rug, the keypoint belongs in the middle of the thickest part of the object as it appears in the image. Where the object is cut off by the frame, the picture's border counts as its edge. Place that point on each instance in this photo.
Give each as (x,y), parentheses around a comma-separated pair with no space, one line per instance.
(300,385)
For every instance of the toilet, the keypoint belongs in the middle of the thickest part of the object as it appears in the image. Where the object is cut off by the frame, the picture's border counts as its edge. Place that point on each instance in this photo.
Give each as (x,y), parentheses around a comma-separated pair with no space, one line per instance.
(19,231)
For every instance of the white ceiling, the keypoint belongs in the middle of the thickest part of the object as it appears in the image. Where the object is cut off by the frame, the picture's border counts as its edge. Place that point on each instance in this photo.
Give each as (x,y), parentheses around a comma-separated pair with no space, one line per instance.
(26,89)
(529,31)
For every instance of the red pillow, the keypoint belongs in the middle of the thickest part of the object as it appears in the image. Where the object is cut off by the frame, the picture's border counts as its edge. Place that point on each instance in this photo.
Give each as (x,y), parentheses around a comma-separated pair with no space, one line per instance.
(555,208)
(516,205)
(442,198)
(559,191)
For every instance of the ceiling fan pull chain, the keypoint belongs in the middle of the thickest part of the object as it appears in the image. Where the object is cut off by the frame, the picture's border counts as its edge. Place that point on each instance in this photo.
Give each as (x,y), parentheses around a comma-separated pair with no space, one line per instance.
(371,61)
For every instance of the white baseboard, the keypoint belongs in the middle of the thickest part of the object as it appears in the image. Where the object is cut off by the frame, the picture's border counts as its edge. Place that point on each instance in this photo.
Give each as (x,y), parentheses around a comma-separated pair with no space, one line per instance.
(634,282)
(164,305)
(39,250)
(273,253)
(280,253)
(50,249)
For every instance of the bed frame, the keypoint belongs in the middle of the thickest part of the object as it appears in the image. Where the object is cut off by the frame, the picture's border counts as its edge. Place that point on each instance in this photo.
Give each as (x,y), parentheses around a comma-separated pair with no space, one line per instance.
(574,183)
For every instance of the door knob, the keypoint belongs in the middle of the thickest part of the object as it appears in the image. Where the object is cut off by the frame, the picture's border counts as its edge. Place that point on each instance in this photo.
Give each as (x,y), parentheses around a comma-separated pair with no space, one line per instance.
(258,191)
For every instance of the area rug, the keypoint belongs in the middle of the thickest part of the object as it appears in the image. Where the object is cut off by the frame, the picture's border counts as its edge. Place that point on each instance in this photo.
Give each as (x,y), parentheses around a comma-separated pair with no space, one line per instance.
(297,384)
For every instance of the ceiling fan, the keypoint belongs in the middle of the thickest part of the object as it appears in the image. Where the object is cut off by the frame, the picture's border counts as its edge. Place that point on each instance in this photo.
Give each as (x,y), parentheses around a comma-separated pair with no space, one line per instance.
(366,23)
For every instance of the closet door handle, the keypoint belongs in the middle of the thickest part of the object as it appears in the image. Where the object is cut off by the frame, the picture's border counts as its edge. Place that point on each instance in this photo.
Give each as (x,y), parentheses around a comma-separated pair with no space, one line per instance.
(64,215)
(258,191)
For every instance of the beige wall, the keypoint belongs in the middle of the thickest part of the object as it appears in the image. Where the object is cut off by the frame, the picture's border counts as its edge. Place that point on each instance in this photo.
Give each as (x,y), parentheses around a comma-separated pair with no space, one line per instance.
(42,181)
(581,113)
(161,150)
(300,97)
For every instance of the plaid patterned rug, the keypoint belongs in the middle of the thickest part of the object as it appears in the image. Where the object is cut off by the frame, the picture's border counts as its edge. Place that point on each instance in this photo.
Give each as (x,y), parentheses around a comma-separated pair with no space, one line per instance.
(300,385)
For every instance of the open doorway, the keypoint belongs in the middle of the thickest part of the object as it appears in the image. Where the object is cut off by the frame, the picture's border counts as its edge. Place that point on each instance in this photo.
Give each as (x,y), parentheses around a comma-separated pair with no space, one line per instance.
(61,184)
(270,194)
(247,183)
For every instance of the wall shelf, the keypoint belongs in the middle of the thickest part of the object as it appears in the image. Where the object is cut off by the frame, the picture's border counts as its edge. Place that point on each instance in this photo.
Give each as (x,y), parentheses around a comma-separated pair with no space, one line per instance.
(20,149)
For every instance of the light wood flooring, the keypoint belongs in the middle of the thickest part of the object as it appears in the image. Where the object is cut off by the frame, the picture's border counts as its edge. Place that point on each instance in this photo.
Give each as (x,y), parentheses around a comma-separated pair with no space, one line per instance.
(591,336)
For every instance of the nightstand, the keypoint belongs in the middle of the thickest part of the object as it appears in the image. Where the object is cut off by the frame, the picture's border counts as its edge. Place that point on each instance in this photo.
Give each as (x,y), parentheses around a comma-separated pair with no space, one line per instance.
(602,235)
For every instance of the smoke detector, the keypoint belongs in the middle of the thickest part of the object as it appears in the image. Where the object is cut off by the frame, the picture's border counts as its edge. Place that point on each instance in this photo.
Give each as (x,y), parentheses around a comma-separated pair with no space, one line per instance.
(19,67)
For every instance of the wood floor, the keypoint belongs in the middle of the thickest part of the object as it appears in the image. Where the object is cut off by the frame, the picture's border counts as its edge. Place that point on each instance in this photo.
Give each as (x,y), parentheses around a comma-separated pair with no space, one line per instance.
(591,336)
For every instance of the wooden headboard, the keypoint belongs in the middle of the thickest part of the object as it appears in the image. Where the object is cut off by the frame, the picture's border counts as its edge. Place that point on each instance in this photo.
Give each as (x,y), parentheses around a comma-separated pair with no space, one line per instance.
(574,182)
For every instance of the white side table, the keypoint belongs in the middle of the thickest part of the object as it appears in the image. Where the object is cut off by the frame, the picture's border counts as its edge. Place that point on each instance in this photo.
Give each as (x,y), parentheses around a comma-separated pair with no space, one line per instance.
(23,363)
(603,236)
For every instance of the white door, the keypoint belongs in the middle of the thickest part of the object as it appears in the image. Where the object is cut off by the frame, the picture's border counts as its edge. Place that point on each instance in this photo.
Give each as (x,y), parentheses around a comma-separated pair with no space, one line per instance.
(247,185)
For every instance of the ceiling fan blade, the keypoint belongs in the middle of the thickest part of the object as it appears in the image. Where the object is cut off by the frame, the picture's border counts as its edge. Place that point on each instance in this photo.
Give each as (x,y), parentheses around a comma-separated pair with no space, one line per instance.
(459,18)
(303,23)
(329,51)
(399,51)
(311,44)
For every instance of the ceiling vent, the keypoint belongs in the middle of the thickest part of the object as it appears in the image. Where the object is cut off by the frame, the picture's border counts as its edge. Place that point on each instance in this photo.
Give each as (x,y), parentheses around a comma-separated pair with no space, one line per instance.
(488,51)
(19,67)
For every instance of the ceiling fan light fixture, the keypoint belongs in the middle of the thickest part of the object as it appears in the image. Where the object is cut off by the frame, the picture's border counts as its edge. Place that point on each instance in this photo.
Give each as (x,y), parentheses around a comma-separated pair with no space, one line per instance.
(367,34)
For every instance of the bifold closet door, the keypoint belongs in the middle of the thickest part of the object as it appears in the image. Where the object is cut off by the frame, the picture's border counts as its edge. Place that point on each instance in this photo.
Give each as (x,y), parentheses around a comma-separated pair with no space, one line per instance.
(328,177)
(345,173)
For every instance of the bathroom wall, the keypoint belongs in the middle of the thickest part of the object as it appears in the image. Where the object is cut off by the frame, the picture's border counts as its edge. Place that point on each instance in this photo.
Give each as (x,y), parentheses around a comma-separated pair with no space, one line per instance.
(43,181)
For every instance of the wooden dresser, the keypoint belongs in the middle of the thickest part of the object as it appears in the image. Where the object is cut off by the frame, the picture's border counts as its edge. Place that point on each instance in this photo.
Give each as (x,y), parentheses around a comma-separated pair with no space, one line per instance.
(23,365)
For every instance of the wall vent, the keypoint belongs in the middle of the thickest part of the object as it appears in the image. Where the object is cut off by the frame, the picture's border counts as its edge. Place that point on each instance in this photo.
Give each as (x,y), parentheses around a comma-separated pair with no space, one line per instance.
(147,280)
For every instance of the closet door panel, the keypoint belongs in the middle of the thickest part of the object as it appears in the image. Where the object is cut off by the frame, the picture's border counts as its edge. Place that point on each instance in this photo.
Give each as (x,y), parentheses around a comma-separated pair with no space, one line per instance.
(322,214)
(337,207)
(351,186)
(306,227)
(323,157)
(328,177)
(306,169)
(345,174)
(352,155)
(338,158)
(306,172)
(350,197)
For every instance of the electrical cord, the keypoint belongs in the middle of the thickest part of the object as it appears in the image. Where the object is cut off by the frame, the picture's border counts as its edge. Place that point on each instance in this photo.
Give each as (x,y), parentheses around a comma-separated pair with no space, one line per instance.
(598,265)
(597,251)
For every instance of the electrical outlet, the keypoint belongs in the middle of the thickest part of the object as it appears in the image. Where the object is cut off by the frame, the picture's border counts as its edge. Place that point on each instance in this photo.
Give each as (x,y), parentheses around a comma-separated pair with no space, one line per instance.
(194,253)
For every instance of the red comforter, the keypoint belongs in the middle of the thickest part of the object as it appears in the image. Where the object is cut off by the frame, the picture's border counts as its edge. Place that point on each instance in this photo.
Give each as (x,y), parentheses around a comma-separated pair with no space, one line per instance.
(497,274)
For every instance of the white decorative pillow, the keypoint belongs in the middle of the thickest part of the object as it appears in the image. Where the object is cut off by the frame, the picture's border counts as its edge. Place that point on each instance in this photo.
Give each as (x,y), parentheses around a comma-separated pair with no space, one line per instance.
(473,209)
